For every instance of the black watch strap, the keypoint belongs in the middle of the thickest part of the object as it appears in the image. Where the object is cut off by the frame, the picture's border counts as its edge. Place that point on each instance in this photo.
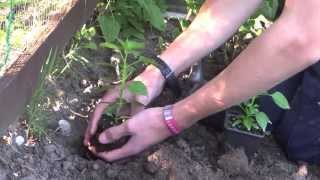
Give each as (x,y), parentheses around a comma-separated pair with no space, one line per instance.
(171,80)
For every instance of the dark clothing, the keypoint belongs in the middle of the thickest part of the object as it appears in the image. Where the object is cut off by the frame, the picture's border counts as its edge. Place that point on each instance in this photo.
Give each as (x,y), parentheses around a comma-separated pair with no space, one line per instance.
(298,129)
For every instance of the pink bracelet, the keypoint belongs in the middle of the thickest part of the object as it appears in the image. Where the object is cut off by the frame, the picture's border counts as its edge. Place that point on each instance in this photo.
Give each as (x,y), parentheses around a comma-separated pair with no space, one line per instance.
(170,121)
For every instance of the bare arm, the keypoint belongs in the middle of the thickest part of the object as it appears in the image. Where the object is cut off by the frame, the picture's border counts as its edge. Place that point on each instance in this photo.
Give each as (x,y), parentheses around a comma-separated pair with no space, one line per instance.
(217,21)
(284,50)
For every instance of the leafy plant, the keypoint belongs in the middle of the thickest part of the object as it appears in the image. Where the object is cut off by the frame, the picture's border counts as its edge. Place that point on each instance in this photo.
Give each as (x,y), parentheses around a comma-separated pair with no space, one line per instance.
(126,18)
(122,26)
(193,6)
(252,119)
(267,13)
(125,49)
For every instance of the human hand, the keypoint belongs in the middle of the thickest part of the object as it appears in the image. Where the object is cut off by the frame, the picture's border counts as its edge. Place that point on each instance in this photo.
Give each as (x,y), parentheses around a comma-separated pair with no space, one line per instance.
(145,129)
(153,81)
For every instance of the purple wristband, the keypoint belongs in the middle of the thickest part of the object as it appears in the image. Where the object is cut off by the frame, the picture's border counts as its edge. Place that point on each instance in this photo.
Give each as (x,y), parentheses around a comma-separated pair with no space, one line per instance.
(170,121)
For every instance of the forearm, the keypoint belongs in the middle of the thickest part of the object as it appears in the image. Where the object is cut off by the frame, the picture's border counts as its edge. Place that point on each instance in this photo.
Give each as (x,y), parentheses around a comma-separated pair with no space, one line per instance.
(268,60)
(215,23)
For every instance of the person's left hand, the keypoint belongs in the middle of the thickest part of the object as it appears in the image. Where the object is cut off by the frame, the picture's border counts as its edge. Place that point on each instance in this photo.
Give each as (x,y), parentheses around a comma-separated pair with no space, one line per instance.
(145,128)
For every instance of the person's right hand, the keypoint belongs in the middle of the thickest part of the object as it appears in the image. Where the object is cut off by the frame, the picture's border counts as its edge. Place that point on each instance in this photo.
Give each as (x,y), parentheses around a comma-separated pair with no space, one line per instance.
(151,78)
(145,129)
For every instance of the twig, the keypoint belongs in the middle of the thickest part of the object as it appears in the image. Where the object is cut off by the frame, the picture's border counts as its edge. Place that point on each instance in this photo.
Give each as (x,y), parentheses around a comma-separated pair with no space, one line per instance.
(78,114)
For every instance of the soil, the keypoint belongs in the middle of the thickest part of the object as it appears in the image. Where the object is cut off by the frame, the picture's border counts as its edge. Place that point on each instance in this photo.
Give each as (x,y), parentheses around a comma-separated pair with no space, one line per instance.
(198,153)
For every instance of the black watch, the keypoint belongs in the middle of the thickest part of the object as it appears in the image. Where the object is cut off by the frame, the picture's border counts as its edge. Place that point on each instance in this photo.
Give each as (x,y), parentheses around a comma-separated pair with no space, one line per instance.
(169,76)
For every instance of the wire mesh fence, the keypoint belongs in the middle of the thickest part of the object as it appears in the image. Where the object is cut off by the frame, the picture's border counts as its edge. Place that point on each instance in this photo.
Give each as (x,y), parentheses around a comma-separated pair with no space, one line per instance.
(22,22)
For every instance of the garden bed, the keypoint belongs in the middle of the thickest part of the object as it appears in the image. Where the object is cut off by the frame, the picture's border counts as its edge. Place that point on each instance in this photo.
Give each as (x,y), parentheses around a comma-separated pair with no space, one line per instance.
(197,153)
(20,79)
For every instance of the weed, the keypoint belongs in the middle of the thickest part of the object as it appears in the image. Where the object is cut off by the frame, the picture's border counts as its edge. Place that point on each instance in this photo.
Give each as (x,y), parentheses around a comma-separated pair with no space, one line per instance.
(36,112)
(83,39)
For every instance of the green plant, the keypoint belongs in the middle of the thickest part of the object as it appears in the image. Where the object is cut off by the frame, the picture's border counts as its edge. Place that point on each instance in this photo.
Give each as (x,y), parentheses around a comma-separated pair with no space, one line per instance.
(83,39)
(36,112)
(193,6)
(252,119)
(122,26)
(267,13)
(15,3)
(125,49)
(9,29)
(126,18)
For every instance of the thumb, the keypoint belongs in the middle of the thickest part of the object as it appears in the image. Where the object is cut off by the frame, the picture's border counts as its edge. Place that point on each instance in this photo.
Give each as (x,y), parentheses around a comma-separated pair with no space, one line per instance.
(114,133)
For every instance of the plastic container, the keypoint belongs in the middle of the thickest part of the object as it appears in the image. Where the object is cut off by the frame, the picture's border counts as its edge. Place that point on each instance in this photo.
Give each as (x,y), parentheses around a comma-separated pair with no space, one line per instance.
(238,138)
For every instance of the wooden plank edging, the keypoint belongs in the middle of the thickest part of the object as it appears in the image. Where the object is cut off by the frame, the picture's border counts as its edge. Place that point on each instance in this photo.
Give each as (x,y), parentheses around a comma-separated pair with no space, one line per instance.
(20,80)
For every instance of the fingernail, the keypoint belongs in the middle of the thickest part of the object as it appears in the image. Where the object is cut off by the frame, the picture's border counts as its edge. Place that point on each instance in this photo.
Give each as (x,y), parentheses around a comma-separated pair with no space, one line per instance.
(103,139)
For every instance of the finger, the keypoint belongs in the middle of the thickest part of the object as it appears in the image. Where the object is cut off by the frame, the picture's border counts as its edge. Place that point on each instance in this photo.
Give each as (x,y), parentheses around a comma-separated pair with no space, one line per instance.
(127,150)
(114,133)
(87,137)
(106,100)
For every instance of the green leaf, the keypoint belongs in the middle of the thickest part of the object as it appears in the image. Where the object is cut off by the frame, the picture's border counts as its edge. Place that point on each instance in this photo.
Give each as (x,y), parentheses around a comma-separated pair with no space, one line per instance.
(255,126)
(280,100)
(262,120)
(90,45)
(137,87)
(153,12)
(130,45)
(236,123)
(184,24)
(269,9)
(110,46)
(247,122)
(110,27)
(131,32)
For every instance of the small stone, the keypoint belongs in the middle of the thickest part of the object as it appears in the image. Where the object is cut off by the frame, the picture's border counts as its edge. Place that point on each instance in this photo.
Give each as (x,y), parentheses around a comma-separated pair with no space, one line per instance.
(96,166)
(65,127)
(150,168)
(19,140)
(84,83)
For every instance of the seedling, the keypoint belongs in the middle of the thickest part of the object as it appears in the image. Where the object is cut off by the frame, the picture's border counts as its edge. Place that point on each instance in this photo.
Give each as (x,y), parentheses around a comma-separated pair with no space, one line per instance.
(125,49)
(252,119)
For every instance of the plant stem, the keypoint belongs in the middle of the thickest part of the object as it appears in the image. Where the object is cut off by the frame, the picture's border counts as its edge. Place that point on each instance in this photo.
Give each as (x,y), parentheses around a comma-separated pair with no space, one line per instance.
(124,76)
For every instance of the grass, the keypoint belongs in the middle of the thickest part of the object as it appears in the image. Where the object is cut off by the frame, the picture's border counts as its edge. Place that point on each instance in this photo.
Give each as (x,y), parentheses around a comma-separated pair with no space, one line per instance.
(36,110)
